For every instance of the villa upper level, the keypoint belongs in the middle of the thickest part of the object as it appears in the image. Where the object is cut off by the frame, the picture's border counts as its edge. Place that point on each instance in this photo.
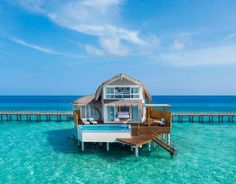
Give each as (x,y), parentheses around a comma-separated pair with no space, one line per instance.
(122,87)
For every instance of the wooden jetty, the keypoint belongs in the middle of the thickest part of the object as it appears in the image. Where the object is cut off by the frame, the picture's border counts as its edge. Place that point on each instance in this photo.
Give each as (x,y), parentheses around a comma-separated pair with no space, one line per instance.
(202,117)
(35,116)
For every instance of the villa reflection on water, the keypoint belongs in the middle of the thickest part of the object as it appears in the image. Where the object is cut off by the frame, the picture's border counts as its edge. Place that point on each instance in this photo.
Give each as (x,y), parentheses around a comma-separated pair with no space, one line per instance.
(121,111)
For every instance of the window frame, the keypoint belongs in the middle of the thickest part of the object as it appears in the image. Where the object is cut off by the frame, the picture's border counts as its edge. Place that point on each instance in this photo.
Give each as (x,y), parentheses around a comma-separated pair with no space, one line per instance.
(116,96)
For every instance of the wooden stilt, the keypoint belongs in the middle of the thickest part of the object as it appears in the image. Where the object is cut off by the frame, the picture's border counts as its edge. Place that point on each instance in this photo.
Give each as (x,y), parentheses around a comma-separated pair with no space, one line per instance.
(82,146)
(108,146)
(149,146)
(136,151)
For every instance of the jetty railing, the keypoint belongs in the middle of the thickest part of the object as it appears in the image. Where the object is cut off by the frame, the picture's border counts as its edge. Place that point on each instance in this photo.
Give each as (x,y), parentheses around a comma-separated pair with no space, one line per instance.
(204,117)
(35,116)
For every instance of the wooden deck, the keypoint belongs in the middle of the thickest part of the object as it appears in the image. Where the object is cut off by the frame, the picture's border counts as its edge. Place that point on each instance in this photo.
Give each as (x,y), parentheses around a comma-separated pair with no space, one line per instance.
(140,140)
(136,141)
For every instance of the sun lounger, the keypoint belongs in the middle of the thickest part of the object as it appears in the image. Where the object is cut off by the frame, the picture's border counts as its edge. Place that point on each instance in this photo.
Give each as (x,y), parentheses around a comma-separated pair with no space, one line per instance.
(160,122)
(93,121)
(84,120)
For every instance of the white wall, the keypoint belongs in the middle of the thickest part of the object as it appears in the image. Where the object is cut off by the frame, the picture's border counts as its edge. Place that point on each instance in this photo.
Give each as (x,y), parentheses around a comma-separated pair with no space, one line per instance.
(102,136)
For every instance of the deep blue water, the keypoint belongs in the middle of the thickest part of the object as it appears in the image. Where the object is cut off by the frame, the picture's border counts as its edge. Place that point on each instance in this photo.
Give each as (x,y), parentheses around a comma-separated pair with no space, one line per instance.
(63,103)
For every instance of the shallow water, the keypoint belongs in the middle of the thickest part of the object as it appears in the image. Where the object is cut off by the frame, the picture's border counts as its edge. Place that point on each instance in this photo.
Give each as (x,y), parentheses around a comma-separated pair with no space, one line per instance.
(46,153)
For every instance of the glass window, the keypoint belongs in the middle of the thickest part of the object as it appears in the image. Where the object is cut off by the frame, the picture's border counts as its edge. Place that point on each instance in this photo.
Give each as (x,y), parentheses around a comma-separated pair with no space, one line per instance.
(110,90)
(124,109)
(134,90)
(122,92)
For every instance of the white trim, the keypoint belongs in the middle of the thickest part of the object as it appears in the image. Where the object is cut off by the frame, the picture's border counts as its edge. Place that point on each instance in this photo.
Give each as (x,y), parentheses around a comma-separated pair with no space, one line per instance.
(157,105)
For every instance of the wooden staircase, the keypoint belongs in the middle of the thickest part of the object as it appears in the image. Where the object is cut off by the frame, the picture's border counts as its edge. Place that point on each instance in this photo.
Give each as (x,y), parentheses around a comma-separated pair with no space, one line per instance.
(164,145)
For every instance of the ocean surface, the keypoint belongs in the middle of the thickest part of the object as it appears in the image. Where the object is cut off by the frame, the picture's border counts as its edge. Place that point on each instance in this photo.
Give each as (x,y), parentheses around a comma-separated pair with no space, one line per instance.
(45,152)
(63,103)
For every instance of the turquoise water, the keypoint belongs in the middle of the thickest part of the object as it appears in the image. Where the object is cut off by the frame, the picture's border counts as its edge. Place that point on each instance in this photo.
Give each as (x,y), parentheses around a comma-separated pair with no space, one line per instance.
(46,153)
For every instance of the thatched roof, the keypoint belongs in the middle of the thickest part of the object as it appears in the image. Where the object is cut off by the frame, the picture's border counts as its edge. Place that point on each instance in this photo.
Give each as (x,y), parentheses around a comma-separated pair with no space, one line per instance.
(120,77)
(85,100)
(123,102)
(90,100)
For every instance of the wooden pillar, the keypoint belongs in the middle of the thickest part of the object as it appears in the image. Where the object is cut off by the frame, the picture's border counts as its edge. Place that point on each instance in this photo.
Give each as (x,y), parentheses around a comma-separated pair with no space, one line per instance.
(108,146)
(82,146)
(149,146)
(154,145)
(136,151)
(148,115)
(131,148)
(168,139)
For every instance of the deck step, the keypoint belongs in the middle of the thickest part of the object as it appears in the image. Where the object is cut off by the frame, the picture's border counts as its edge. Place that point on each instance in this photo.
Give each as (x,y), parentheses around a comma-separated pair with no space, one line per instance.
(164,145)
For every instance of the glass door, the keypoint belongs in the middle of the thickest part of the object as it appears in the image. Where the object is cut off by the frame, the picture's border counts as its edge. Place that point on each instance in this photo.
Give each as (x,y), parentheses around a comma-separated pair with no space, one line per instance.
(111,113)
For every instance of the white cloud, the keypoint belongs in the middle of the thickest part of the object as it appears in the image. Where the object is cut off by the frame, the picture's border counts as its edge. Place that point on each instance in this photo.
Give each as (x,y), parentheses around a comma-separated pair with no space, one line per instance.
(91,50)
(178,44)
(182,41)
(32,5)
(35,47)
(114,46)
(152,46)
(46,50)
(231,36)
(99,18)
(206,56)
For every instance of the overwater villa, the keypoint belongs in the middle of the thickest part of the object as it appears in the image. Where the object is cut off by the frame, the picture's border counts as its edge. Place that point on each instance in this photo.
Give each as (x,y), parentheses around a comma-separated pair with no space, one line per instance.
(121,111)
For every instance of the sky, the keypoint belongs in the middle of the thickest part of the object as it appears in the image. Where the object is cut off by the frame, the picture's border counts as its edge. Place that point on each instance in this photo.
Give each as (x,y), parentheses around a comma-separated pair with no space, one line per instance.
(69,47)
